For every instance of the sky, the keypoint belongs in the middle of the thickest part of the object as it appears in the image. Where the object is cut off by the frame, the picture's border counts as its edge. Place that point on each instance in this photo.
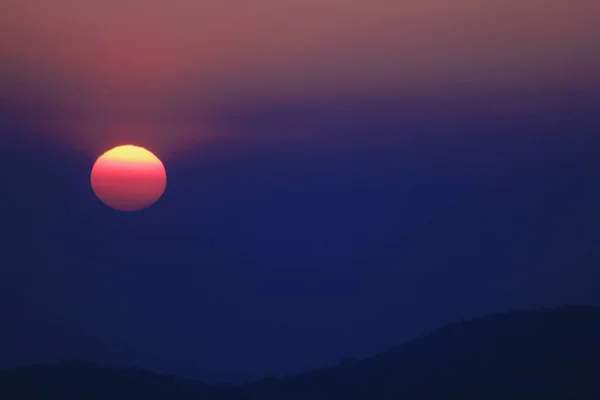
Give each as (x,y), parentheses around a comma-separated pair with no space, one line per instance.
(340,178)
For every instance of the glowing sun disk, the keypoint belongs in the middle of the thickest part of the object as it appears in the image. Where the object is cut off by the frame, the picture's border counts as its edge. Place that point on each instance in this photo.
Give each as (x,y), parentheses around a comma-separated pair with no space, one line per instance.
(128,178)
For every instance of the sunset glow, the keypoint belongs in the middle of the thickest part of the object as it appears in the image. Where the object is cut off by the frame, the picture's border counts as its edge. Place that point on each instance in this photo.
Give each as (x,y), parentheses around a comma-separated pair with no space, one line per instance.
(128,178)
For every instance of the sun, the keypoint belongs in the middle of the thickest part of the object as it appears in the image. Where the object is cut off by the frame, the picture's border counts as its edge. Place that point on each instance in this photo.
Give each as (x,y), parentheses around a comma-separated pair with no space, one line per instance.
(128,178)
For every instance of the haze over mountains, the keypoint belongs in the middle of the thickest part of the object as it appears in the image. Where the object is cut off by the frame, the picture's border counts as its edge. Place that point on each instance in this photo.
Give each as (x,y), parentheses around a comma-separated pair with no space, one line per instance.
(508,243)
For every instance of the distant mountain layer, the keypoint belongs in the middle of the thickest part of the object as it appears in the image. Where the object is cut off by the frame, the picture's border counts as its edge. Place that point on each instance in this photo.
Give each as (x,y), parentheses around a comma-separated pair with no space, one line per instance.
(547,354)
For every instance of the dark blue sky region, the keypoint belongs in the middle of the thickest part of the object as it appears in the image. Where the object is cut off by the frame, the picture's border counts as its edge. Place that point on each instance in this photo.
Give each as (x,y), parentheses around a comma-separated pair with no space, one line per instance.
(278,255)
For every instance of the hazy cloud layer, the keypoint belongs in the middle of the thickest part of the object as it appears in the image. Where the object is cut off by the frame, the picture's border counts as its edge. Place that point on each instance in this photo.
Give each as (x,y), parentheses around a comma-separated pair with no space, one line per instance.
(133,61)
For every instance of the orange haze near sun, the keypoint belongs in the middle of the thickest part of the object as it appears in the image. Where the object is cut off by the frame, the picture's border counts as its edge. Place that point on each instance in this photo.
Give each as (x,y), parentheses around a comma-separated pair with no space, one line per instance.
(128,178)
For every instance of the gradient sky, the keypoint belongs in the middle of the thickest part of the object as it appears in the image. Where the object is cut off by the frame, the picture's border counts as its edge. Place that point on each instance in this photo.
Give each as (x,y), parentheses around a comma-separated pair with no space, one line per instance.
(341,178)
(152,58)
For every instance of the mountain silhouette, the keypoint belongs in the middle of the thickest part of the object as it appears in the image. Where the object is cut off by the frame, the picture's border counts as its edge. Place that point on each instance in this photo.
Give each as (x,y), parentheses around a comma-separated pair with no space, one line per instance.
(82,380)
(549,354)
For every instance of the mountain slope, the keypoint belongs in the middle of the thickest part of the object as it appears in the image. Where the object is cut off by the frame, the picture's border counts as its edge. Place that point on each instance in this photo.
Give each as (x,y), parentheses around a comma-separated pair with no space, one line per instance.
(549,354)
(81,380)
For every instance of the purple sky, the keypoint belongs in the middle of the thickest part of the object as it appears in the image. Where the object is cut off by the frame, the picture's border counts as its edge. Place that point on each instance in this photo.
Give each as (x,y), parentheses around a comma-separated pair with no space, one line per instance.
(144,60)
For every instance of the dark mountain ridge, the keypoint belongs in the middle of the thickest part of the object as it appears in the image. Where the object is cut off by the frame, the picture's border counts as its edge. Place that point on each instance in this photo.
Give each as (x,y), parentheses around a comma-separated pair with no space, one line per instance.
(550,354)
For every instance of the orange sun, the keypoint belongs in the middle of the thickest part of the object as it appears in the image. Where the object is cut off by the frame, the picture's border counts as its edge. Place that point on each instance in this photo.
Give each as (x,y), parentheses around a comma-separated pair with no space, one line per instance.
(128,178)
